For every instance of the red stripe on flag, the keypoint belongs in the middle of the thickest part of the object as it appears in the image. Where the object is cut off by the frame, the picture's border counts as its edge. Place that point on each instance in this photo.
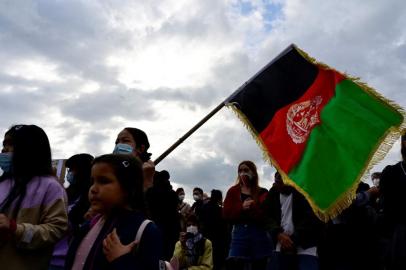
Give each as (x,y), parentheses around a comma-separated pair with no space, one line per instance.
(286,135)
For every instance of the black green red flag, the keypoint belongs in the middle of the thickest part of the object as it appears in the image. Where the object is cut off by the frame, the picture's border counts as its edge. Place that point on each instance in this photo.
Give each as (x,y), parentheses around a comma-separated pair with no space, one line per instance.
(320,128)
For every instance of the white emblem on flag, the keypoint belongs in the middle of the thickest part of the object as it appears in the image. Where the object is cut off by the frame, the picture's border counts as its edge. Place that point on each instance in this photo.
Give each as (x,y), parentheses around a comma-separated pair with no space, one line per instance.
(301,117)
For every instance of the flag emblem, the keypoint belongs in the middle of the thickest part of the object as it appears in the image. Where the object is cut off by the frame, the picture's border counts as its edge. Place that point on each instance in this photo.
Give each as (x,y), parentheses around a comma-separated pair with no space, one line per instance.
(301,118)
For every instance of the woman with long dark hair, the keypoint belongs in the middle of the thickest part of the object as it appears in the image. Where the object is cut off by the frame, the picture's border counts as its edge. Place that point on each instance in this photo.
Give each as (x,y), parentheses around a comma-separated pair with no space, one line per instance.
(250,243)
(32,202)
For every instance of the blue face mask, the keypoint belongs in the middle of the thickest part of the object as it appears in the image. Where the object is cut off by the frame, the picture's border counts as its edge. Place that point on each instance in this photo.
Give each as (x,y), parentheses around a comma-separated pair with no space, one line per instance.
(6,162)
(122,148)
(70,177)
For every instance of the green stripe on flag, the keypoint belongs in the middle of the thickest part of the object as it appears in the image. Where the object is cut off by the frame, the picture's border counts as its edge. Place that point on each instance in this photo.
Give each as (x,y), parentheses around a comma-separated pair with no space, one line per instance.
(338,151)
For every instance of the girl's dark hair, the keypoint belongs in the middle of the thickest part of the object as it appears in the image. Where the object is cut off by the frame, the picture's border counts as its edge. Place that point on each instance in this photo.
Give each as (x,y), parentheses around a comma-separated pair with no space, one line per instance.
(31,157)
(129,173)
(140,138)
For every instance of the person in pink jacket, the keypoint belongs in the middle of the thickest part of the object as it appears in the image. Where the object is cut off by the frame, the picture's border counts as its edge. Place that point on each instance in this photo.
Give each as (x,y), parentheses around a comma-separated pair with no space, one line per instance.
(33,214)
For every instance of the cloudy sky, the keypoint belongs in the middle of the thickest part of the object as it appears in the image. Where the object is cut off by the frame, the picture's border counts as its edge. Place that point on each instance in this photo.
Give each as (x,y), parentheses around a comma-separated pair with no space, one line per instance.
(83,70)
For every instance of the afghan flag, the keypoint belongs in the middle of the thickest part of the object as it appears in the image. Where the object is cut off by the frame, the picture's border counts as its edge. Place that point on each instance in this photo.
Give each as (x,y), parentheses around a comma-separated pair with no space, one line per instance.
(322,130)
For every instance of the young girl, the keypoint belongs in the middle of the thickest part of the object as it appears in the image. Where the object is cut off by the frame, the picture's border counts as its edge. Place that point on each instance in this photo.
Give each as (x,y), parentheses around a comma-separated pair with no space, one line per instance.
(250,243)
(32,202)
(117,195)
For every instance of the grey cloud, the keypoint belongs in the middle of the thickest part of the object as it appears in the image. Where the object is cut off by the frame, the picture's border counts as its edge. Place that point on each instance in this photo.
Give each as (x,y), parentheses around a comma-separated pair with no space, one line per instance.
(107,103)
(22,105)
(227,75)
(73,34)
(207,174)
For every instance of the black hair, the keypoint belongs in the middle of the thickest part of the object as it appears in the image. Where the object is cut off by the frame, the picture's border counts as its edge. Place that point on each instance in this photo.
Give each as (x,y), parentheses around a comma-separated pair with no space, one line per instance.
(140,138)
(216,196)
(179,190)
(31,157)
(161,180)
(192,218)
(82,165)
(198,189)
(129,173)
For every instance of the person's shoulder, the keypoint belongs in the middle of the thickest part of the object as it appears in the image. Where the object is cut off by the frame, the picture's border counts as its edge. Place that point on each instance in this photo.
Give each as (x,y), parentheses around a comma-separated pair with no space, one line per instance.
(208,242)
(391,170)
(234,188)
(50,184)
(262,190)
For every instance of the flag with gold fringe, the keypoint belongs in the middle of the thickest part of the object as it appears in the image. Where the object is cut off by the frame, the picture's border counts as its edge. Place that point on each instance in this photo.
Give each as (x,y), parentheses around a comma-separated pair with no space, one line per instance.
(320,128)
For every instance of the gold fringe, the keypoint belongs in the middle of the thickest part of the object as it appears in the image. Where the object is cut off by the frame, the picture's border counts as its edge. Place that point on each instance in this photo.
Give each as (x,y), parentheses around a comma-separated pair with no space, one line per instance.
(381,149)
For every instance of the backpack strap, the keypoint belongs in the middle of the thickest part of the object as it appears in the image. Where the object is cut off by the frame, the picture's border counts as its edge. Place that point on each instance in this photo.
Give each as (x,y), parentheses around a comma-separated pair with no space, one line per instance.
(141,230)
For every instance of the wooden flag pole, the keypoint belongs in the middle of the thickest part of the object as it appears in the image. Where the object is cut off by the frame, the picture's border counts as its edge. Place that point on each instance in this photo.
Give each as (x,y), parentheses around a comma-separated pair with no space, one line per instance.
(190,132)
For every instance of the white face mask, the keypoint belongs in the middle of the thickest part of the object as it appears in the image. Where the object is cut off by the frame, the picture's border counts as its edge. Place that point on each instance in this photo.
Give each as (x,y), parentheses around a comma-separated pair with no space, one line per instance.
(246,174)
(181,197)
(192,229)
(246,178)
(196,197)
(375,182)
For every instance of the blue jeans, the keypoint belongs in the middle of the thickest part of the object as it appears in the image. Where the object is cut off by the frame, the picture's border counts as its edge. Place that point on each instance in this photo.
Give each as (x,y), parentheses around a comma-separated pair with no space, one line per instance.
(249,242)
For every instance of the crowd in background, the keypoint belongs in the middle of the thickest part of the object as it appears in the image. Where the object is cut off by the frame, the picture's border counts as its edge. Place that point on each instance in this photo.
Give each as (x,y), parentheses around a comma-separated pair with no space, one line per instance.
(120,213)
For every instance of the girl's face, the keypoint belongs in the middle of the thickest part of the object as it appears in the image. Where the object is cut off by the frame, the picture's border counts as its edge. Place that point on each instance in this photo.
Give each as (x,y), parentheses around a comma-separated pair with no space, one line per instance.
(244,169)
(106,192)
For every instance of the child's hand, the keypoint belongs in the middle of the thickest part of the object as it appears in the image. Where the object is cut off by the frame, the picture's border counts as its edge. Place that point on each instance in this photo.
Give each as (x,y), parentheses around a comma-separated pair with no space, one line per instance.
(113,248)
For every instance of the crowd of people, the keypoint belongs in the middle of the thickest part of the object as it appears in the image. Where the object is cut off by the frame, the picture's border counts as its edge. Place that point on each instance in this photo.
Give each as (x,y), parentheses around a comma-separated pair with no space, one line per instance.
(118,212)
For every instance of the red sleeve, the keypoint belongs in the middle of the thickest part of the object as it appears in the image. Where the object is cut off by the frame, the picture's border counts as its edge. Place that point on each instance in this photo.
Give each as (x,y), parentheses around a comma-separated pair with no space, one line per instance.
(232,204)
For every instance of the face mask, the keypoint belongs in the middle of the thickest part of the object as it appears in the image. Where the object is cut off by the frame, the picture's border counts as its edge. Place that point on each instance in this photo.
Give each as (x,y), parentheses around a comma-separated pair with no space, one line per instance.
(122,148)
(70,177)
(196,197)
(375,182)
(181,197)
(6,162)
(246,177)
(192,229)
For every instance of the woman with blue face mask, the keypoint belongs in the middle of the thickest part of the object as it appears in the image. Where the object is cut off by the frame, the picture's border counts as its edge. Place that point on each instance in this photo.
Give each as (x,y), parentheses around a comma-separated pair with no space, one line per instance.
(6,156)
(78,175)
(32,202)
(134,141)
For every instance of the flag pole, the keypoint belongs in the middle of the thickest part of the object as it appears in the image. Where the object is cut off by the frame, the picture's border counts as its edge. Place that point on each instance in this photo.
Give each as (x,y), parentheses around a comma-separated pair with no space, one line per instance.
(190,132)
(218,108)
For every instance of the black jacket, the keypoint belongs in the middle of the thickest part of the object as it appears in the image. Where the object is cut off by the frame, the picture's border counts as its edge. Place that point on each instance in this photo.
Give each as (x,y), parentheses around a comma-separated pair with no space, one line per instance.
(308,227)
